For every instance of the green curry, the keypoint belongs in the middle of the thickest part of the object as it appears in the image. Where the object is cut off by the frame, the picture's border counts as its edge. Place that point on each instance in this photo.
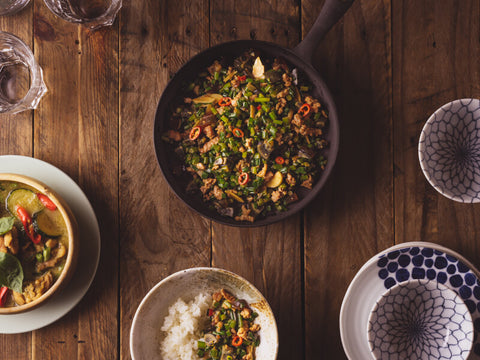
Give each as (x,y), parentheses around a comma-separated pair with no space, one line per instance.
(33,244)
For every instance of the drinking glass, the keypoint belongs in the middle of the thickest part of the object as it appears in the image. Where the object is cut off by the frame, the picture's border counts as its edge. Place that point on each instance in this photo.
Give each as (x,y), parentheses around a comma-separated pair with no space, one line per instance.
(21,78)
(91,13)
(9,7)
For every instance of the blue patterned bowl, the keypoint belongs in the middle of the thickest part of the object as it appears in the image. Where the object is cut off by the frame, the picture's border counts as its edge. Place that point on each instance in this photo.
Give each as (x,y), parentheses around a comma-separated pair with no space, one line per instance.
(449,150)
(420,320)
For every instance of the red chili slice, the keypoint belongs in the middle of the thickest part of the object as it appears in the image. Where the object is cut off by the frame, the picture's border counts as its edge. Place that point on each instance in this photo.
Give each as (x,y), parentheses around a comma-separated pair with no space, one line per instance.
(243,178)
(237,341)
(279,160)
(195,133)
(23,215)
(3,295)
(45,200)
(225,101)
(238,133)
(304,110)
(242,78)
(27,225)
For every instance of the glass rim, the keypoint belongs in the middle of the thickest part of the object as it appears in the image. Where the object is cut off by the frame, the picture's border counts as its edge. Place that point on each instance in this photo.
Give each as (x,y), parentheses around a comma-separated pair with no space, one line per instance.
(107,18)
(37,86)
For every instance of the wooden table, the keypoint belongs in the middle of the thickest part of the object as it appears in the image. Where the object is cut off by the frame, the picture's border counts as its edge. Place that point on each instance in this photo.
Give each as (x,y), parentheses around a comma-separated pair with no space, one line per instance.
(389,64)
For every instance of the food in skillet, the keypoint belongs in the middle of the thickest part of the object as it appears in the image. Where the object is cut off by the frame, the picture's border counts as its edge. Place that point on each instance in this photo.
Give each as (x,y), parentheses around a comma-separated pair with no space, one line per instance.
(231,333)
(251,135)
(33,244)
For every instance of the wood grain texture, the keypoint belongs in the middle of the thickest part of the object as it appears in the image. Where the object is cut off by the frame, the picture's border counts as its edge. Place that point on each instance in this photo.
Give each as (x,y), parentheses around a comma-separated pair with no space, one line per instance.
(352,218)
(273,20)
(437,62)
(20,125)
(159,235)
(76,129)
(18,142)
(389,64)
(270,256)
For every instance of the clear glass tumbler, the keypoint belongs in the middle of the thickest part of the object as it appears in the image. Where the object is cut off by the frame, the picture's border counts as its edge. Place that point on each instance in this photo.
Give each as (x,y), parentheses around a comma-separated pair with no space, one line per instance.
(9,7)
(21,78)
(91,13)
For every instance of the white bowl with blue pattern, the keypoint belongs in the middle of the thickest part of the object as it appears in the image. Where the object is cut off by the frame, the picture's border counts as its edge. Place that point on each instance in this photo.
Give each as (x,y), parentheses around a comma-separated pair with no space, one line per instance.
(405,262)
(449,150)
(420,319)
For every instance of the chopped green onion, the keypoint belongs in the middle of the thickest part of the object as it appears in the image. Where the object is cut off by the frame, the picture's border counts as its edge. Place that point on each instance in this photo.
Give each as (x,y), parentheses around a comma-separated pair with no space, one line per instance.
(46,253)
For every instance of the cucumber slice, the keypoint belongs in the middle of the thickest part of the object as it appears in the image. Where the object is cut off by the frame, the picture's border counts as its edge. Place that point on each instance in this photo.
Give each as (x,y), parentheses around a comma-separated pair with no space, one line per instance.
(48,223)
(25,198)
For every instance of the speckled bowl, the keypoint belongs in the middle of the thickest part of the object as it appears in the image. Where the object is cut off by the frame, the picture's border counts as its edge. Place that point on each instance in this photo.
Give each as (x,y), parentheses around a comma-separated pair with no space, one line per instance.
(145,334)
(420,320)
(73,242)
(449,150)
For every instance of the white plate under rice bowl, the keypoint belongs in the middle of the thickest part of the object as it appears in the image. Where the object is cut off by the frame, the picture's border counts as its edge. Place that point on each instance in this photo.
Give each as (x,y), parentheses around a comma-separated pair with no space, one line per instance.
(147,337)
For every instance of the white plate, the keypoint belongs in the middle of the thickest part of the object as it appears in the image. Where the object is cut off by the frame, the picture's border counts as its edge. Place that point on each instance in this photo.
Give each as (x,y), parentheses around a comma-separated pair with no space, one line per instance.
(89,256)
(367,286)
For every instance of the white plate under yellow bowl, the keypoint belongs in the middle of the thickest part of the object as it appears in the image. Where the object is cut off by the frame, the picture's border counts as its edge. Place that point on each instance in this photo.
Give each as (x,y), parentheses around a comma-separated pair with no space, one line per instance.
(89,235)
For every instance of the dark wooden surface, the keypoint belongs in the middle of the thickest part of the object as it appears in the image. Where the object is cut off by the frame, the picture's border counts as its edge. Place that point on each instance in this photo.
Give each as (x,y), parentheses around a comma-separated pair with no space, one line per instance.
(389,64)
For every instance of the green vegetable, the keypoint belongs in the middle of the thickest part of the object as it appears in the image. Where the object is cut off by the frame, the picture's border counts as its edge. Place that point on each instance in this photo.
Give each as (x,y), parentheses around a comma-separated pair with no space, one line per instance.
(262,99)
(46,253)
(24,198)
(6,224)
(11,272)
(267,113)
(48,223)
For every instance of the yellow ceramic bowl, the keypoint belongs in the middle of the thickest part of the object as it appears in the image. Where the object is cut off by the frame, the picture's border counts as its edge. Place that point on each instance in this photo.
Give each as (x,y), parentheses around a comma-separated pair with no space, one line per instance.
(73,243)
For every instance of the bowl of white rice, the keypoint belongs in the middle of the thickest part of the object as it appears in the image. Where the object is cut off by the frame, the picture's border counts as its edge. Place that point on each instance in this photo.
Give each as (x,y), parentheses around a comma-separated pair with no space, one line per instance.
(169,321)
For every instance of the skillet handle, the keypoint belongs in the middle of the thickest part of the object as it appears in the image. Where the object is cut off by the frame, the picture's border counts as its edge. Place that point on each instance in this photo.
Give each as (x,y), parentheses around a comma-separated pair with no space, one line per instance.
(331,12)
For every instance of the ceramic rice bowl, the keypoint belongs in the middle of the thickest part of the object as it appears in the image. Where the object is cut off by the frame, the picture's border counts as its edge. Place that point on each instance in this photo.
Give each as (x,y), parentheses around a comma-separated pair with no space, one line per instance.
(146,335)
(420,320)
(449,150)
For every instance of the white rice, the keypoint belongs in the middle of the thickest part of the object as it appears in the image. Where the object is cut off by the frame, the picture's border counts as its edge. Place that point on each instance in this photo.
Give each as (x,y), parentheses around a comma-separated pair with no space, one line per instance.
(182,328)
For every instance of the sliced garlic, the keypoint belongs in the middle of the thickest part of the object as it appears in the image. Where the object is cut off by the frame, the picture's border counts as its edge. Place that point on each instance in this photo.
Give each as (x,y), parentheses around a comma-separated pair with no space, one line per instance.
(207,99)
(258,69)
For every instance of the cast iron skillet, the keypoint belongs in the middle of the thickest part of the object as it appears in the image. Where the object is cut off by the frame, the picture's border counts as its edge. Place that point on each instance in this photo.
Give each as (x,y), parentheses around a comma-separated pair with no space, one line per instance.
(299,58)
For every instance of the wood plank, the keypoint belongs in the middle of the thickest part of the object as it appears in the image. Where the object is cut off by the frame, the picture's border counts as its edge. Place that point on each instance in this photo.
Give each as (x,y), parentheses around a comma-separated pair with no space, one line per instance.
(273,20)
(159,234)
(352,218)
(270,256)
(19,142)
(76,129)
(437,50)
(19,125)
